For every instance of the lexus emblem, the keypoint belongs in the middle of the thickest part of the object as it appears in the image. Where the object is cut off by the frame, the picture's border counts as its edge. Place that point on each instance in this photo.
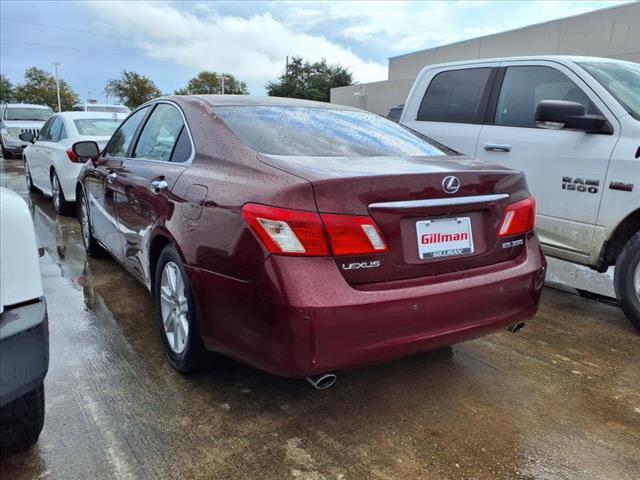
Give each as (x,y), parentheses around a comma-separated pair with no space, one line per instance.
(451,184)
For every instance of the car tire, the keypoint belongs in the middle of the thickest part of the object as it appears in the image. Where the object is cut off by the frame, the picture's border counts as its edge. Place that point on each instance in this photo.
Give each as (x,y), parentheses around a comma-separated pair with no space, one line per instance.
(22,420)
(627,279)
(60,204)
(27,174)
(176,313)
(91,246)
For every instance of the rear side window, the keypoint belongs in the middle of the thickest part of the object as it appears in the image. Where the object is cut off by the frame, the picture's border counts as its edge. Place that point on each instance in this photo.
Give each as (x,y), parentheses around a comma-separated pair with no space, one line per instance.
(524,87)
(455,96)
(160,134)
(119,144)
(182,150)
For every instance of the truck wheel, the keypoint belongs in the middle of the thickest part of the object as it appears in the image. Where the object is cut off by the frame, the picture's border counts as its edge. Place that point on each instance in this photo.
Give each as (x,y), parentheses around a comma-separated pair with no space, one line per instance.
(21,420)
(627,279)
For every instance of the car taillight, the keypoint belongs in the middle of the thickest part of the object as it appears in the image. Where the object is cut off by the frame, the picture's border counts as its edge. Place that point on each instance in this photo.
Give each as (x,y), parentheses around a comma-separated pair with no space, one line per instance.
(353,235)
(287,232)
(296,232)
(72,156)
(519,218)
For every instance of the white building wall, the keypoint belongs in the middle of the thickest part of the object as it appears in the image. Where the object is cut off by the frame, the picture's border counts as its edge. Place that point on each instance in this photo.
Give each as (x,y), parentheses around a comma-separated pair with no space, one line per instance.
(613,32)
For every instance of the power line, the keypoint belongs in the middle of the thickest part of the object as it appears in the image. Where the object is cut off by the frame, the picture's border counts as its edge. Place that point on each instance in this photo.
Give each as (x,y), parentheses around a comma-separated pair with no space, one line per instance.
(33,44)
(68,29)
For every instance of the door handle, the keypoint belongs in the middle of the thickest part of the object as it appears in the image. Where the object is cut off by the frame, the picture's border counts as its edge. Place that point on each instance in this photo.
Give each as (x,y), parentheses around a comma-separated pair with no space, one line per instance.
(497,147)
(112,176)
(158,185)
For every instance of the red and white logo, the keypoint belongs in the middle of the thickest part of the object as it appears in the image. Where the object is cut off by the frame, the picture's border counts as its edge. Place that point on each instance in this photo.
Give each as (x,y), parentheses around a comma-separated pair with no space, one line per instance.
(433,238)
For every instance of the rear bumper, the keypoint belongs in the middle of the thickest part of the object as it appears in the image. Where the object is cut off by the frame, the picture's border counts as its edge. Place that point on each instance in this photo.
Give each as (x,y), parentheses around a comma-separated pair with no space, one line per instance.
(24,350)
(300,318)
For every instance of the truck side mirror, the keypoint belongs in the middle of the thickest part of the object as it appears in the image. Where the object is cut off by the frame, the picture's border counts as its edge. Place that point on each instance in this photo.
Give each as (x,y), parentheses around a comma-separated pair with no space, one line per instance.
(558,114)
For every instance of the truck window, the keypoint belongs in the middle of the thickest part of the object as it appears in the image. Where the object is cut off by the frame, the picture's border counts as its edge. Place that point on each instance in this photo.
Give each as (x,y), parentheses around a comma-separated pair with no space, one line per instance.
(524,87)
(455,96)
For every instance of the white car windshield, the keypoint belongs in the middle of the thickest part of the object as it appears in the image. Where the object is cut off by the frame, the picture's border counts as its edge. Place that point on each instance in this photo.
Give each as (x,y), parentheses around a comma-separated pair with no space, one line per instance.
(622,80)
(26,113)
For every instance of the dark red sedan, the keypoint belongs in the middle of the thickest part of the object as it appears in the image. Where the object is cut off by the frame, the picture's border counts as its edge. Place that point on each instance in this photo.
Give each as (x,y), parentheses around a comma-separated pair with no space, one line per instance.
(304,238)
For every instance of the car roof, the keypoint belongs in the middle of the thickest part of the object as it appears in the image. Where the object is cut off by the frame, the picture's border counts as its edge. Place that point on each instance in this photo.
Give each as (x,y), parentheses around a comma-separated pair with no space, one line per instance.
(27,105)
(255,100)
(550,58)
(77,115)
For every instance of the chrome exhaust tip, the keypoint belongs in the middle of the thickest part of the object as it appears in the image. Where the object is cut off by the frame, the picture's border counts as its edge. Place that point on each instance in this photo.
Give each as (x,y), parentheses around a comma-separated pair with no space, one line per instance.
(517,327)
(323,381)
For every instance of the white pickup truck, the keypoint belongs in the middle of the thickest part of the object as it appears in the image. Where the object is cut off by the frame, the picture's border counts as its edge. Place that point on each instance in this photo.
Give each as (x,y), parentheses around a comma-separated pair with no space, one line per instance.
(572,125)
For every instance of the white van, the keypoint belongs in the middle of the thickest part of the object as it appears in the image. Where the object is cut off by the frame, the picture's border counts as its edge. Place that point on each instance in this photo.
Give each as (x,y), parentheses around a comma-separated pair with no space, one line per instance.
(572,125)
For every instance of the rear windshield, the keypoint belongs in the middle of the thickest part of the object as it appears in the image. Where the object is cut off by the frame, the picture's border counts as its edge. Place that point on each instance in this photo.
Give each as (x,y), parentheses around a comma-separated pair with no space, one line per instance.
(108,108)
(96,127)
(324,132)
(26,113)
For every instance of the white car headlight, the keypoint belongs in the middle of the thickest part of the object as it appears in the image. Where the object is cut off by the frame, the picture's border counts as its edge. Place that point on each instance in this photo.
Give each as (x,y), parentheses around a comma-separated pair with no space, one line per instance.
(14,132)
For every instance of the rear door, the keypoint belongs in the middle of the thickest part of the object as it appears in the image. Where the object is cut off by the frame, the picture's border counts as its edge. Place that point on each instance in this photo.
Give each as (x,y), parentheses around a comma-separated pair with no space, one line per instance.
(565,169)
(100,182)
(162,152)
(448,104)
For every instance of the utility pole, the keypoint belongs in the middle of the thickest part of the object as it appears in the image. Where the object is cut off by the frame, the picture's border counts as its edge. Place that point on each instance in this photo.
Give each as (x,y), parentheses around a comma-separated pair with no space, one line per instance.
(222,82)
(56,65)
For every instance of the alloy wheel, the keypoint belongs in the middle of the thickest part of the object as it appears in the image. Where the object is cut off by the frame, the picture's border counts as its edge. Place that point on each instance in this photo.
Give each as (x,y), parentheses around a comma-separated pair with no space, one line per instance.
(84,221)
(636,281)
(174,308)
(27,175)
(55,191)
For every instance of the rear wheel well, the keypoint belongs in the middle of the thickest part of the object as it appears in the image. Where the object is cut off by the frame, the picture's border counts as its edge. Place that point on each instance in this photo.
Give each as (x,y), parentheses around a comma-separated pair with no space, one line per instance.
(623,232)
(157,244)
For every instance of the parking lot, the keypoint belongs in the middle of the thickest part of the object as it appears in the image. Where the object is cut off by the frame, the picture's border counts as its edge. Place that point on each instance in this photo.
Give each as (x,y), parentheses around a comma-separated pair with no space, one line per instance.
(559,400)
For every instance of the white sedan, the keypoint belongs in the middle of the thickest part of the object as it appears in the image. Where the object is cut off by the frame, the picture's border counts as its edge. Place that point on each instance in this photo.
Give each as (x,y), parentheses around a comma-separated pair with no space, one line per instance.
(49,163)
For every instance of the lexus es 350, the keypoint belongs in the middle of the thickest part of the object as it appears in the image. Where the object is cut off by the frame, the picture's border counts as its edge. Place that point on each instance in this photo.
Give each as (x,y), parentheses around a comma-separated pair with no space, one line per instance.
(303,238)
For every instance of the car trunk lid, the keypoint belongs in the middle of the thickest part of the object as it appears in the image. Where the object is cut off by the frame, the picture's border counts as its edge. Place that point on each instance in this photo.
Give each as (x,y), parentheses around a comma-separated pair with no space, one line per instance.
(428,227)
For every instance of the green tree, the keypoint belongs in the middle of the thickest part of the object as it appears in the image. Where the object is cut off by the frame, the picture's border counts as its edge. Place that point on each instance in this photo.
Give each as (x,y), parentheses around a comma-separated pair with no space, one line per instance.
(206,83)
(39,87)
(132,89)
(6,90)
(312,81)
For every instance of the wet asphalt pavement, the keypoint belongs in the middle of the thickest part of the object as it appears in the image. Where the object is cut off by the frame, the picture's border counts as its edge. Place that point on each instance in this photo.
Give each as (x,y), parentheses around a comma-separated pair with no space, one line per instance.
(561,400)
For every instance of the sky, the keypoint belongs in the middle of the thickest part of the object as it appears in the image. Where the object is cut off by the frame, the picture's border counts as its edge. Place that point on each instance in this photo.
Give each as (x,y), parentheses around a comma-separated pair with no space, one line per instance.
(170,42)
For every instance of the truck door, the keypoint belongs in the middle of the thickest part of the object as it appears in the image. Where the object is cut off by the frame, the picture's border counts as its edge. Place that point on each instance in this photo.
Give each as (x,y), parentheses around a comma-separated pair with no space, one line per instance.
(565,169)
(448,104)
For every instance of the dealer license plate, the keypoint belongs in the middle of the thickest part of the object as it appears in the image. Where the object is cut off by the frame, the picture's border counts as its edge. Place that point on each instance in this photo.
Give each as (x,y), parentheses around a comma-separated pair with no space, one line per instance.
(446,237)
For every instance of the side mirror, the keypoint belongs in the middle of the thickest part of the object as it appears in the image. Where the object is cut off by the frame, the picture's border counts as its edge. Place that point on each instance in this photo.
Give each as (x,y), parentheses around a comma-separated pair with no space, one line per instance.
(86,150)
(558,114)
(27,137)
